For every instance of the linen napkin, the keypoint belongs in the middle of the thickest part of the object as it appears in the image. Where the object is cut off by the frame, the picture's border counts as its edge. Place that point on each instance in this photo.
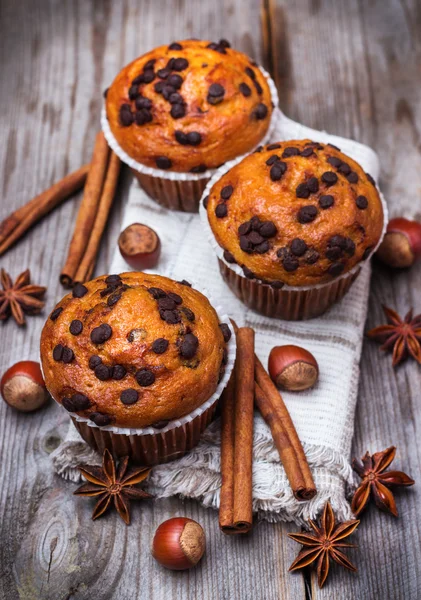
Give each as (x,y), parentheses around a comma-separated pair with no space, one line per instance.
(323,416)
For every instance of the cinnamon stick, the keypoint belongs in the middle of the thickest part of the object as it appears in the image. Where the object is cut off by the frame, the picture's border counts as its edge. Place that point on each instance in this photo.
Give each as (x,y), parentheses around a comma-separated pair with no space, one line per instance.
(87,211)
(87,264)
(273,410)
(236,515)
(17,223)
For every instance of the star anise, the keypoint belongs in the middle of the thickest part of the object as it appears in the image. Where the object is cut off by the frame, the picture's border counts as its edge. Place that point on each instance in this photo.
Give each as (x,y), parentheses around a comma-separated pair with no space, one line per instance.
(107,485)
(403,335)
(324,544)
(376,482)
(19,297)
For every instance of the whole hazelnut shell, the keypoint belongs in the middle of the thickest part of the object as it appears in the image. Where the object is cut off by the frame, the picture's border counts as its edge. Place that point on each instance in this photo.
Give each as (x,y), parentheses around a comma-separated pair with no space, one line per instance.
(140,246)
(179,543)
(401,245)
(22,386)
(292,368)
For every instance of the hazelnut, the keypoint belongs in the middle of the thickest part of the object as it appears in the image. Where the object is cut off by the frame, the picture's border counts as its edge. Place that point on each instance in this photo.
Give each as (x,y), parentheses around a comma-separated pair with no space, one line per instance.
(179,543)
(140,246)
(22,386)
(293,368)
(401,245)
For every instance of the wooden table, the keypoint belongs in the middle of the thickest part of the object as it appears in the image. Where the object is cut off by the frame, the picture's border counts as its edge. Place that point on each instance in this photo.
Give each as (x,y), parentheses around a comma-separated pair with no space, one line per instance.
(348,66)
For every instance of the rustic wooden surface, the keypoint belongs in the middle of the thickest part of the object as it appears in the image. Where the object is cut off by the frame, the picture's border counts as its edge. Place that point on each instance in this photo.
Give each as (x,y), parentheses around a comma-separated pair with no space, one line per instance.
(348,66)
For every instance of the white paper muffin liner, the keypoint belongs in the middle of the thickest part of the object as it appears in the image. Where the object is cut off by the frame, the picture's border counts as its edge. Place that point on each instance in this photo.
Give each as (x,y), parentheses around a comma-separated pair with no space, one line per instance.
(175,175)
(219,251)
(140,431)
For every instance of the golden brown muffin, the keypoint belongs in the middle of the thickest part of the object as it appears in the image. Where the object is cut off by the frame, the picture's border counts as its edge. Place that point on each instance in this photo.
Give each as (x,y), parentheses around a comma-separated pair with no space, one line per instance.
(133,350)
(297,213)
(189,106)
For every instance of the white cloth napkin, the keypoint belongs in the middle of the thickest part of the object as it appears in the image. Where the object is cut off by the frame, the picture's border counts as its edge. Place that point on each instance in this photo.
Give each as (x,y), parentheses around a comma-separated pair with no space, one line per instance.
(323,416)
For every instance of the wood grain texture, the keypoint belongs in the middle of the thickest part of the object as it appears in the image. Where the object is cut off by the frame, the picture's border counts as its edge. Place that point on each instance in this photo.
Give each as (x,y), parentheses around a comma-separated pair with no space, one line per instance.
(353,68)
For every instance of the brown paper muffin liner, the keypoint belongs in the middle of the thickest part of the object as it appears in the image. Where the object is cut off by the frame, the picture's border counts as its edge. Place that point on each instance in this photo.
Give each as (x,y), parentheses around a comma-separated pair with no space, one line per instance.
(151,449)
(173,194)
(174,190)
(288,304)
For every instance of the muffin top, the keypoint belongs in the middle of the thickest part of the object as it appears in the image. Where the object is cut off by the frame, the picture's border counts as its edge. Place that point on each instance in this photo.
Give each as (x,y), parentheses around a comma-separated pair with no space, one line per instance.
(133,350)
(297,213)
(189,106)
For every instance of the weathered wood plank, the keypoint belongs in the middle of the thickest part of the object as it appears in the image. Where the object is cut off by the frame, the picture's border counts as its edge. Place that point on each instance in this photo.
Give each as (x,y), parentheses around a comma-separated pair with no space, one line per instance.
(353,68)
(57,57)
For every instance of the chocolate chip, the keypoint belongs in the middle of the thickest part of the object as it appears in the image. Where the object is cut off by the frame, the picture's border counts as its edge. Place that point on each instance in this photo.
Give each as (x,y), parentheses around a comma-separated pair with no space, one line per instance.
(101,334)
(338,240)
(277,170)
(56,313)
(100,419)
(261,111)
(267,229)
(163,162)
(273,147)
(335,269)
(68,404)
(307,214)
(255,223)
(255,238)
(313,185)
(180,64)
(333,253)
(80,402)
(277,285)
(133,92)
(157,293)
(245,89)
(250,72)
(221,210)
(258,149)
(129,396)
(118,372)
(105,92)
(326,201)
(229,257)
(139,79)
(172,317)
(226,331)
(189,314)
(198,169)
(142,102)
(148,76)
(113,299)
(206,201)
(258,87)
(68,355)
(290,264)
(350,247)
(272,159)
(149,64)
(344,168)
(159,87)
(177,111)
(184,282)
(113,279)
(189,345)
(298,247)
(226,192)
(175,80)
(160,424)
(224,43)
(175,46)
(142,116)
(244,228)
(76,327)
(248,272)
(181,137)
(94,361)
(307,152)
(262,248)
(125,115)
(245,244)
(370,179)
(352,177)
(329,178)
(367,252)
(302,190)
(160,345)
(312,256)
(102,372)
(58,352)
(166,303)
(174,97)
(334,161)
(79,290)
(163,73)
(194,138)
(361,202)
(145,377)
(290,151)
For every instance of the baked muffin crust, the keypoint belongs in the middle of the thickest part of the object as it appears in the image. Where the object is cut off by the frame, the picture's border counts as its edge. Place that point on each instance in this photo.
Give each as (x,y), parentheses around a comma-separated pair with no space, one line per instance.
(133,350)
(296,212)
(189,106)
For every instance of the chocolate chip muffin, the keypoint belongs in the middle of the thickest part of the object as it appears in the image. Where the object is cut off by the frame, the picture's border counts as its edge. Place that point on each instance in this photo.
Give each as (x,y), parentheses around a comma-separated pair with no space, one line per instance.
(188,107)
(295,213)
(133,350)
